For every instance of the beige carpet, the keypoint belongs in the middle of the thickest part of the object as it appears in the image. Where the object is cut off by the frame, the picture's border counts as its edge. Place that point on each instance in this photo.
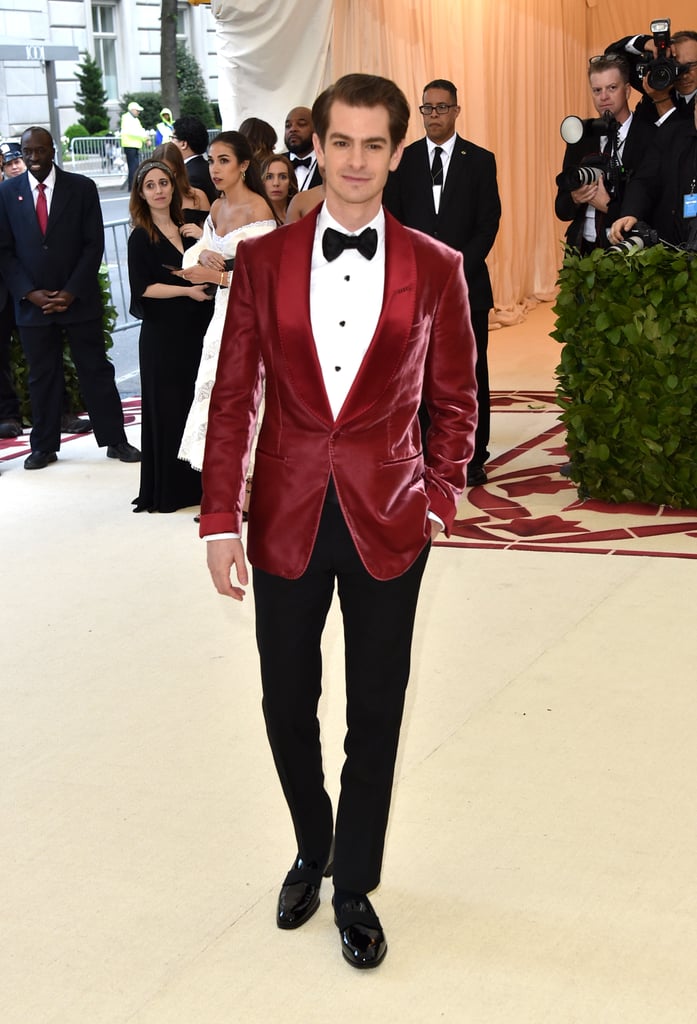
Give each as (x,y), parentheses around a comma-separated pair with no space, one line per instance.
(541,854)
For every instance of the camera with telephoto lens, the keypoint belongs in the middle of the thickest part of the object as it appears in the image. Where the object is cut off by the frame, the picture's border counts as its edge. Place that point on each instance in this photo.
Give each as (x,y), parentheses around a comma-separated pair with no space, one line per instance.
(641,236)
(576,177)
(662,71)
(573,129)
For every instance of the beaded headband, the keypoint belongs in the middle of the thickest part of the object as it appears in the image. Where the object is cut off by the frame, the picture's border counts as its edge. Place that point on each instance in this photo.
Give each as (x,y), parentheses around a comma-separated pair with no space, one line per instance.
(152,165)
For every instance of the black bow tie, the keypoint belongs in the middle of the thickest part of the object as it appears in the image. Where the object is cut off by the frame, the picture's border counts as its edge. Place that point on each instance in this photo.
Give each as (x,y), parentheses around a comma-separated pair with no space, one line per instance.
(302,162)
(334,243)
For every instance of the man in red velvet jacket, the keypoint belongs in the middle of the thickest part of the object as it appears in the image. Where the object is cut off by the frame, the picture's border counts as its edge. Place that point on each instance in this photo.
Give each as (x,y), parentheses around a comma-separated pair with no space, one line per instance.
(352,316)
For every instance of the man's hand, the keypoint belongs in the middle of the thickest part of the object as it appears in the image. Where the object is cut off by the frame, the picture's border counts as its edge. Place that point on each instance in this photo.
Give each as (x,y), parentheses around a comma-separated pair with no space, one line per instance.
(40,297)
(436,528)
(601,199)
(58,302)
(620,228)
(595,195)
(50,302)
(222,555)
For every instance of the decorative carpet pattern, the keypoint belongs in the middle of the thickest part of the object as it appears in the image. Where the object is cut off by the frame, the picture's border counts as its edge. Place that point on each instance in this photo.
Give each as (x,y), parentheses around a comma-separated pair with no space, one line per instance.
(19,448)
(527,505)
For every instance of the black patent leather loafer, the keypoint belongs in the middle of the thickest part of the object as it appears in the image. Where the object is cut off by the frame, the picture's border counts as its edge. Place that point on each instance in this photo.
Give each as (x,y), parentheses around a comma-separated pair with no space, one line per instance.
(299,896)
(363,942)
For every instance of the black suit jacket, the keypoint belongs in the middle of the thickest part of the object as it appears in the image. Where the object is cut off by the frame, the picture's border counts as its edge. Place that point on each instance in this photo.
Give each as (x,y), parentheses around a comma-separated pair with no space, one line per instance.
(469,211)
(639,139)
(198,172)
(67,258)
(665,176)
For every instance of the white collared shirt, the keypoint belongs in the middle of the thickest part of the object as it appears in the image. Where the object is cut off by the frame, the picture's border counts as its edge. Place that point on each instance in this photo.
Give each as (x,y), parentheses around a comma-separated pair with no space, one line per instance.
(49,182)
(589,229)
(345,304)
(446,153)
(304,174)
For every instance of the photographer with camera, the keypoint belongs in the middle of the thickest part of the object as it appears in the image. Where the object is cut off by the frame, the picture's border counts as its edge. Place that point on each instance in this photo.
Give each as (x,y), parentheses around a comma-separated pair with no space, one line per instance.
(597,167)
(664,190)
(663,69)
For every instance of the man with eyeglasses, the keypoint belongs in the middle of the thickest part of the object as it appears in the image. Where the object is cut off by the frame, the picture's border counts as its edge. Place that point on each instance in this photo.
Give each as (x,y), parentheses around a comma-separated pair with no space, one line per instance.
(591,208)
(446,187)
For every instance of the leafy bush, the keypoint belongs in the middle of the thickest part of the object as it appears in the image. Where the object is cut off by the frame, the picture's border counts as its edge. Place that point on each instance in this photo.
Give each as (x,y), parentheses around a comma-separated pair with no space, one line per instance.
(75,131)
(627,380)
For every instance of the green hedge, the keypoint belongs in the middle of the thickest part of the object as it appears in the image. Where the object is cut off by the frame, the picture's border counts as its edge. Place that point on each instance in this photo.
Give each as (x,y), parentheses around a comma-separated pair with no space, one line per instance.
(20,371)
(627,380)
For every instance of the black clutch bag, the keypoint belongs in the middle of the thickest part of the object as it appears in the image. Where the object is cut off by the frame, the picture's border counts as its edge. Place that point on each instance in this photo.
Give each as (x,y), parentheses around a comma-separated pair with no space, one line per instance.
(230,264)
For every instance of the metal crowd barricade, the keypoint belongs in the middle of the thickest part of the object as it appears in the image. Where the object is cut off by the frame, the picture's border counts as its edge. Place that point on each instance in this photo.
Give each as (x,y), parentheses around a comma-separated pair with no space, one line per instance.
(116,234)
(99,156)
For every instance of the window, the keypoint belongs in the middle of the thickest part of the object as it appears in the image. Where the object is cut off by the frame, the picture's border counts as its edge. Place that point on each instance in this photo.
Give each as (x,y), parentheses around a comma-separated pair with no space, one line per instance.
(104,34)
(183,24)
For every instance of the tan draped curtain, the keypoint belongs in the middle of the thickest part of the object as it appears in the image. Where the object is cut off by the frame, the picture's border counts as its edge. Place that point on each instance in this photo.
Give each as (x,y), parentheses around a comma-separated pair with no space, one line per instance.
(519,67)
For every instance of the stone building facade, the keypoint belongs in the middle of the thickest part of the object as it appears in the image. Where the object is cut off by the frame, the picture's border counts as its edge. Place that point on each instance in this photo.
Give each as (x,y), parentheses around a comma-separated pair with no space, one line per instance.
(122,35)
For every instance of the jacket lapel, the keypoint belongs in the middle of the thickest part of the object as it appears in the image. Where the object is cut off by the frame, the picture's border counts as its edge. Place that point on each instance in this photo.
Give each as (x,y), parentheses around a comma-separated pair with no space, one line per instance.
(24,205)
(294,323)
(59,200)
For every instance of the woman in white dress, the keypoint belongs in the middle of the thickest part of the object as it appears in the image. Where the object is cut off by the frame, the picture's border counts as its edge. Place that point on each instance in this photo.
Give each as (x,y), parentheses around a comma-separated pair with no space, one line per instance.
(241,212)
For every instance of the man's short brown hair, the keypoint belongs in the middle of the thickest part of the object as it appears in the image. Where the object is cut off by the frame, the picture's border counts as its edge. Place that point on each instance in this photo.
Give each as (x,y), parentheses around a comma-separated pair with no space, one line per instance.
(364,91)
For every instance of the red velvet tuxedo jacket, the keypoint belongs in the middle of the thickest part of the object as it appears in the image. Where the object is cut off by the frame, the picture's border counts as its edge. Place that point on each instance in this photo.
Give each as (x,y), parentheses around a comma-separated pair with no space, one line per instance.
(423,344)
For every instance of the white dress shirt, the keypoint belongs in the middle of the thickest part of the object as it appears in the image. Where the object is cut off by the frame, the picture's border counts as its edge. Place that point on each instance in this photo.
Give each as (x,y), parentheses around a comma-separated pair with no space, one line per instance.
(446,153)
(589,229)
(304,174)
(49,182)
(345,304)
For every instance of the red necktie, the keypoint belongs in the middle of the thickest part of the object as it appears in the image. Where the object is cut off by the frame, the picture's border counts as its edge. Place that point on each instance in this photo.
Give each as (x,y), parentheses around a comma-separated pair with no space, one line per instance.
(42,208)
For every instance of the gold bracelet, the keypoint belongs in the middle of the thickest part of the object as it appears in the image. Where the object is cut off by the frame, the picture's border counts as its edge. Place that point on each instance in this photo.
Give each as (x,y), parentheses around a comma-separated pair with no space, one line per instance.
(222,274)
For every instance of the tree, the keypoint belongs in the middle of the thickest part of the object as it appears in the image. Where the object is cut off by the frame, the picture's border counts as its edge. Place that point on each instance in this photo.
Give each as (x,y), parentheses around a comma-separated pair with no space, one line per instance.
(168,56)
(91,101)
(193,96)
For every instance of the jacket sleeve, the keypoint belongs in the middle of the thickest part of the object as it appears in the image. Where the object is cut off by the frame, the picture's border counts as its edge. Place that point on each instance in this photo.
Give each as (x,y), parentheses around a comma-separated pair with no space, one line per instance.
(478,244)
(233,409)
(84,274)
(17,278)
(450,394)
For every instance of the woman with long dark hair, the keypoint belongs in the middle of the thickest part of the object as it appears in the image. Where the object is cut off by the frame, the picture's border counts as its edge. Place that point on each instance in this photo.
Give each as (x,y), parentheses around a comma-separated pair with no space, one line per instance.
(241,212)
(195,204)
(175,315)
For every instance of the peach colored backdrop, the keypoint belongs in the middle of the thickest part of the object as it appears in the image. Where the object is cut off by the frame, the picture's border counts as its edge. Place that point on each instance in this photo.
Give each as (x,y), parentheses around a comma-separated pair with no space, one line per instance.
(519,66)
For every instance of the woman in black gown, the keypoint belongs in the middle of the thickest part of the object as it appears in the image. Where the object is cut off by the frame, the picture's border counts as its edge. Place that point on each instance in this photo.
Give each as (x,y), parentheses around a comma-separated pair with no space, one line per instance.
(175,316)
